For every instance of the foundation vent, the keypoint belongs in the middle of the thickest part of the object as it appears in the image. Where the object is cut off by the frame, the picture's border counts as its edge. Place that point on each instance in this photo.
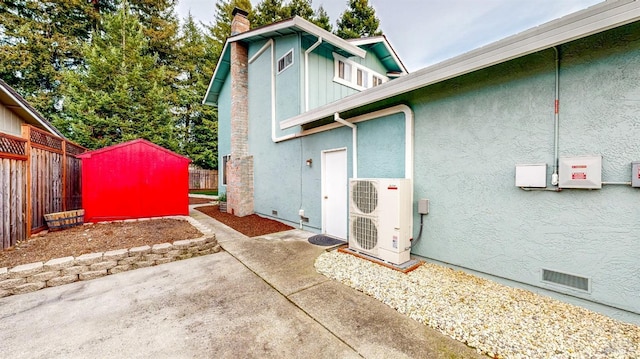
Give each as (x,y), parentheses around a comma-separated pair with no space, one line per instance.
(566,280)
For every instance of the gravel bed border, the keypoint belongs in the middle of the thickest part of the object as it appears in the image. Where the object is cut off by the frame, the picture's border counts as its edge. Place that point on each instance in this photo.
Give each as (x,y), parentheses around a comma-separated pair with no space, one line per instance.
(496,320)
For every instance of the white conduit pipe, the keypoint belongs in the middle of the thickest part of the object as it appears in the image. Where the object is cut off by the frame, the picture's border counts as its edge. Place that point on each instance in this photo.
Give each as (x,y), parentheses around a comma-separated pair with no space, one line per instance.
(556,122)
(306,72)
(354,131)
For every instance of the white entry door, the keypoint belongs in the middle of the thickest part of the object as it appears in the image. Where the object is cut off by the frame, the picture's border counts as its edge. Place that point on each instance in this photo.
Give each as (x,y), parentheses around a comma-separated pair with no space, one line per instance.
(334,193)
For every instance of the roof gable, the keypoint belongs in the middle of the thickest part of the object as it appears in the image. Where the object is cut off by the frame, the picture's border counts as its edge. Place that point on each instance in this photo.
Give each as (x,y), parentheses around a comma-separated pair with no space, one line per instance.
(139,141)
(11,99)
(297,25)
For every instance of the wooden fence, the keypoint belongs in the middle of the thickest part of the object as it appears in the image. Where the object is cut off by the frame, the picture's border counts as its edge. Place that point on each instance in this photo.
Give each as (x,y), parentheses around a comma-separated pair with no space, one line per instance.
(39,174)
(202,179)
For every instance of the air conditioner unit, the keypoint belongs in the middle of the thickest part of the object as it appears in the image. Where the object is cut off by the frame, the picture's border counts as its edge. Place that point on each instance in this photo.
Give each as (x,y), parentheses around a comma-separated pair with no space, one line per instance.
(380,218)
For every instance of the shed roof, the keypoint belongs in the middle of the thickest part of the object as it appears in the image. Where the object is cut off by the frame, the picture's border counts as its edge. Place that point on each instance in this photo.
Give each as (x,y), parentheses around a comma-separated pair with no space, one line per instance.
(11,99)
(595,19)
(142,141)
(297,25)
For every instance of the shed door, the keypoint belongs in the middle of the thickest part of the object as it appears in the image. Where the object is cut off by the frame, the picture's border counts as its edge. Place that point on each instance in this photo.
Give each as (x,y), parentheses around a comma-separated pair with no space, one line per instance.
(334,193)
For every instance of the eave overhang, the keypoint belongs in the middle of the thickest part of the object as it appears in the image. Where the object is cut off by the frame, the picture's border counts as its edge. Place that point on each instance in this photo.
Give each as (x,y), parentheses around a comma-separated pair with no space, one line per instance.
(593,20)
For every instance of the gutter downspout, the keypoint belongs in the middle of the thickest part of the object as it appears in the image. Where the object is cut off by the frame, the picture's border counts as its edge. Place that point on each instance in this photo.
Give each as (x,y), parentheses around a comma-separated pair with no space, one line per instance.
(556,122)
(354,128)
(306,72)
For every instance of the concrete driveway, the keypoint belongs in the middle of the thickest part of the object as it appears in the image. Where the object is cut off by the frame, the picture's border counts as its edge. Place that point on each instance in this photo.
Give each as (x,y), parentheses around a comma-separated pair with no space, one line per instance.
(261,298)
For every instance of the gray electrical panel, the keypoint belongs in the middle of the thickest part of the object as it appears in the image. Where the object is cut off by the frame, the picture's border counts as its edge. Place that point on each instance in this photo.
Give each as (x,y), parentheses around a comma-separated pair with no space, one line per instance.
(580,172)
(635,174)
(423,206)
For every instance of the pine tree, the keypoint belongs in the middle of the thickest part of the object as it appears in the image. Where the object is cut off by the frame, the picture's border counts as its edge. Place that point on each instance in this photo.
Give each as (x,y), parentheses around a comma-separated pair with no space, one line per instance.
(39,39)
(268,12)
(359,20)
(300,8)
(197,123)
(221,29)
(321,19)
(120,93)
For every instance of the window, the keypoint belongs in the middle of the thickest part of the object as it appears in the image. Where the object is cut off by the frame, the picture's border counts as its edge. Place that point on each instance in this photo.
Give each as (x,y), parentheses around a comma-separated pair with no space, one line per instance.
(285,61)
(354,75)
(344,70)
(225,161)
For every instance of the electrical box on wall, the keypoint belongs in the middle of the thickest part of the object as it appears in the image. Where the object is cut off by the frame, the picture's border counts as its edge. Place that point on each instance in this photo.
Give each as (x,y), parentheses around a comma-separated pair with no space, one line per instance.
(531,175)
(580,172)
(635,174)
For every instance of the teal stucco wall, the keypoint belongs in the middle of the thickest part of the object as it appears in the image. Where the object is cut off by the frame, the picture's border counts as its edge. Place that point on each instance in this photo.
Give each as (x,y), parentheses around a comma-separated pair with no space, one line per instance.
(470,133)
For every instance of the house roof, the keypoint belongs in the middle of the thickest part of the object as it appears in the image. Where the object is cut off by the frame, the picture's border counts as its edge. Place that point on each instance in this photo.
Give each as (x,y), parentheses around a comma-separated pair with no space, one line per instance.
(100,151)
(381,47)
(11,99)
(595,19)
(298,25)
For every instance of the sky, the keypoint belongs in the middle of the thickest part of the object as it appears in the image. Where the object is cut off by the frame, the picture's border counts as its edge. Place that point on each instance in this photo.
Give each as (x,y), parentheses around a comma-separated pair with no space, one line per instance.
(425,32)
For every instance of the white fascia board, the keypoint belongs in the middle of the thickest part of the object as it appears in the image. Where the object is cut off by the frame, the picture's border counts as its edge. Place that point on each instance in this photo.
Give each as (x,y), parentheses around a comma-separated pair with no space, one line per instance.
(587,22)
(307,27)
(382,39)
(215,72)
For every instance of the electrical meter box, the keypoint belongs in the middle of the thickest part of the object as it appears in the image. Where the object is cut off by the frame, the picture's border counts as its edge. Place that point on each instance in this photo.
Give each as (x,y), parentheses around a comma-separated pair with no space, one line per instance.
(635,174)
(531,175)
(580,172)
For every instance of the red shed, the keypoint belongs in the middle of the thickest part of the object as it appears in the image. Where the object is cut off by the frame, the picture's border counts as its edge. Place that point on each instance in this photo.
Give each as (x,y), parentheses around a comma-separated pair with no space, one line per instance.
(135,179)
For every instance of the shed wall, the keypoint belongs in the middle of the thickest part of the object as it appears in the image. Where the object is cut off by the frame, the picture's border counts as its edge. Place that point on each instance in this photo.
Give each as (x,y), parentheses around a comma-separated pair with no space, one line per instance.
(134,181)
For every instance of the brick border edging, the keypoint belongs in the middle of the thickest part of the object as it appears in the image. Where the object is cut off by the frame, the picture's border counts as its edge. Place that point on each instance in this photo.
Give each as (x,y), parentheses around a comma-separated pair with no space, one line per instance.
(31,277)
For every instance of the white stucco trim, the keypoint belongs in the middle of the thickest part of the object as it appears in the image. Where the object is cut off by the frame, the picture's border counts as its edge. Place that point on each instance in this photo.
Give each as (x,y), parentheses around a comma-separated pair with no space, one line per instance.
(595,19)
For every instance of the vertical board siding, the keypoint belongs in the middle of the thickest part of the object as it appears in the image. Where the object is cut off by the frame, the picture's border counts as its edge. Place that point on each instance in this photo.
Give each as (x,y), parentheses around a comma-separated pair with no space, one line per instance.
(37,164)
(12,207)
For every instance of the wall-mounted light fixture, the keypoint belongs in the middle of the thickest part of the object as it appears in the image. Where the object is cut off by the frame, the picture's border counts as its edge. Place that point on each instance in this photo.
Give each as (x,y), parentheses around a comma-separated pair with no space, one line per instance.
(309,162)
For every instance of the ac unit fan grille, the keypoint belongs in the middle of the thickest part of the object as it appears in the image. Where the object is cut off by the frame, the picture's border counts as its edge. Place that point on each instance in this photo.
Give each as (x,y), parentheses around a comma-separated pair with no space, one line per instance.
(365,232)
(365,196)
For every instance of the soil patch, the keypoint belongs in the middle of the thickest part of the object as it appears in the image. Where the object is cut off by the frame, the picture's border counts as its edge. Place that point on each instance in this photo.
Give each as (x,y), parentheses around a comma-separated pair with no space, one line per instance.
(94,238)
(251,225)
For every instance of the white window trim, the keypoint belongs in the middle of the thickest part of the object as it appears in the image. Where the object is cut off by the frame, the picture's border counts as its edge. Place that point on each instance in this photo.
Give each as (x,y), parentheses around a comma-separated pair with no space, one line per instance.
(354,73)
(284,56)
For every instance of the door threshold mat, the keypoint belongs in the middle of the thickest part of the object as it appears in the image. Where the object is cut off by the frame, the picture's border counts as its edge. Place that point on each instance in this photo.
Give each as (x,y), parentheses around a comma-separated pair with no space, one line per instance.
(405,267)
(324,240)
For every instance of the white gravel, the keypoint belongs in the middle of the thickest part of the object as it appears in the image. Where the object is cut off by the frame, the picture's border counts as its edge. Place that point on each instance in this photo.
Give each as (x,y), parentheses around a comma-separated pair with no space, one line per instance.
(497,320)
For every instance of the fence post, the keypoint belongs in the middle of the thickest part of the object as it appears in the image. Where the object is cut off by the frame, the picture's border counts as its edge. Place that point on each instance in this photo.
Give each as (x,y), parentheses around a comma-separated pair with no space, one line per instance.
(64,175)
(26,134)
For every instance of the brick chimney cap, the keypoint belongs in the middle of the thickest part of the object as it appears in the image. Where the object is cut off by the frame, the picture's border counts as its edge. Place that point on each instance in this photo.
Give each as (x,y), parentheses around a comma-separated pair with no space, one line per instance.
(239,11)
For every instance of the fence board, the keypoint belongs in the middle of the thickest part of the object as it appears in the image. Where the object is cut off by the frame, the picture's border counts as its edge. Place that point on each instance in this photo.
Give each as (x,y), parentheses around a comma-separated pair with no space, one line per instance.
(4,207)
(202,179)
(37,176)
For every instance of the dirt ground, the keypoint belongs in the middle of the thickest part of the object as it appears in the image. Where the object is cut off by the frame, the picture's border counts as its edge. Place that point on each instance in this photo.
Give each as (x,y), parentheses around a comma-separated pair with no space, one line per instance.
(118,235)
(98,237)
(251,226)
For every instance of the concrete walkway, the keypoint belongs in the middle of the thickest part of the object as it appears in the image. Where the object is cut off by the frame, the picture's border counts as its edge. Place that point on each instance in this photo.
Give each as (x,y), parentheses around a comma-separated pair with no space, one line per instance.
(260,298)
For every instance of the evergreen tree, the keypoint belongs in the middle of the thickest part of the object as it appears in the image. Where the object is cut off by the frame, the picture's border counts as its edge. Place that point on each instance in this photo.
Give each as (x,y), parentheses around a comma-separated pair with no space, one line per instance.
(197,123)
(321,19)
(359,20)
(300,8)
(268,12)
(221,29)
(120,93)
(39,39)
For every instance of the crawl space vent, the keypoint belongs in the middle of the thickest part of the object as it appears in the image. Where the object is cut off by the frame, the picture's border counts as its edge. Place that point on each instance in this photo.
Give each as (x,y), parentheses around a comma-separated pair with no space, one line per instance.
(566,280)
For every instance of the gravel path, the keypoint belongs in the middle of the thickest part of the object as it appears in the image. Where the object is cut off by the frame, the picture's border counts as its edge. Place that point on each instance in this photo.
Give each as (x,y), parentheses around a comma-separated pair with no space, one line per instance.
(497,320)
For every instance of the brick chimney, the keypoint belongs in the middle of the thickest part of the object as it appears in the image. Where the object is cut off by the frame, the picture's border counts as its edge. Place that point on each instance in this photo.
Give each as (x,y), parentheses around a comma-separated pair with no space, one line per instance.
(240,168)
